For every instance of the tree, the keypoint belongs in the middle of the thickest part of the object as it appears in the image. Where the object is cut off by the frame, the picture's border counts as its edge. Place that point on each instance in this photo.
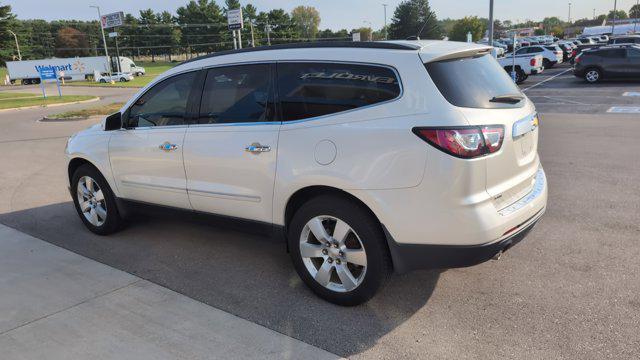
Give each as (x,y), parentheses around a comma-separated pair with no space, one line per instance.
(468,24)
(538,32)
(203,26)
(634,12)
(307,20)
(412,16)
(7,47)
(619,14)
(71,42)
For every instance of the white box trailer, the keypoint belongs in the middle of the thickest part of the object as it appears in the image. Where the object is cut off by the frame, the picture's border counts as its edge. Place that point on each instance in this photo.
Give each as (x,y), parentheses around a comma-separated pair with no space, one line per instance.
(78,68)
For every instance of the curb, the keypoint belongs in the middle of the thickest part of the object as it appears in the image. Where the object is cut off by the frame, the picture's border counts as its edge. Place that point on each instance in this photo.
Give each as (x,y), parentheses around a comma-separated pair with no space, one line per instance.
(97,98)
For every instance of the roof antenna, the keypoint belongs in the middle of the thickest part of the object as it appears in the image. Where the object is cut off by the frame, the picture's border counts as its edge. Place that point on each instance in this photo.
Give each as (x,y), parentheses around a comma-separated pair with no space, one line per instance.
(426,21)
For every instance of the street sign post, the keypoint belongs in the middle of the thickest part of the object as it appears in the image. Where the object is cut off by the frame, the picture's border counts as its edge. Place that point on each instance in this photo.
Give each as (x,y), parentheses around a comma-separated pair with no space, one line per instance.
(48,73)
(115,36)
(235,23)
(112,20)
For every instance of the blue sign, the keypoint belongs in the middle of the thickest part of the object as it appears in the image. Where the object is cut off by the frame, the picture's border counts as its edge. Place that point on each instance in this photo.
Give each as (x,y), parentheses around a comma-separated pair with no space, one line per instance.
(48,73)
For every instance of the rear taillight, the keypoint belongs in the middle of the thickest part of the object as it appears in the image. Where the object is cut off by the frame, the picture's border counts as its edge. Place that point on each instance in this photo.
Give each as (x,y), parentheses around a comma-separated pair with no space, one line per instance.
(464,142)
(532,62)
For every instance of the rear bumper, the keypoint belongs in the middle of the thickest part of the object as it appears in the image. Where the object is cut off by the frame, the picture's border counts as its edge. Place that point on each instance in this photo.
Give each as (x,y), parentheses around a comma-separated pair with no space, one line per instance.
(407,257)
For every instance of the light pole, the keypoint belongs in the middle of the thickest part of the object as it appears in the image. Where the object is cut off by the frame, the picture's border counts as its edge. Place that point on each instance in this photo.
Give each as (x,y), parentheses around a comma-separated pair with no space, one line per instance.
(635,20)
(615,11)
(569,17)
(104,40)
(17,45)
(386,36)
(490,22)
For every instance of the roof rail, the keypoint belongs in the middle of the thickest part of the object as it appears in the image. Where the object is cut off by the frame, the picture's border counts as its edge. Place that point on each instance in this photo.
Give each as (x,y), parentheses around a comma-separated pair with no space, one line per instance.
(313,45)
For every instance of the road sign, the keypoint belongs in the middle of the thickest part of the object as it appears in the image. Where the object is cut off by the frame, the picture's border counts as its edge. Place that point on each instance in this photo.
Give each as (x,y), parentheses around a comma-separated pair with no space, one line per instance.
(112,20)
(47,73)
(113,34)
(234,19)
(356,36)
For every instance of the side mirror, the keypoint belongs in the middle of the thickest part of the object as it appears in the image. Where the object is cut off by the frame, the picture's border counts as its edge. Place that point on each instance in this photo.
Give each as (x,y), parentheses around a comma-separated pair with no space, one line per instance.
(113,122)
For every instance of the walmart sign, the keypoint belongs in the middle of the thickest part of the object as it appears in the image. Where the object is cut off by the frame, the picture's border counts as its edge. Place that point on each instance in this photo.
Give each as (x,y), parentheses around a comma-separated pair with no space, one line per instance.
(57,67)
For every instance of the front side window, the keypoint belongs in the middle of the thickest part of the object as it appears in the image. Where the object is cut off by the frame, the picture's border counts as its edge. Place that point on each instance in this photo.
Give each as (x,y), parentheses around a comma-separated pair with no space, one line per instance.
(308,90)
(234,94)
(165,104)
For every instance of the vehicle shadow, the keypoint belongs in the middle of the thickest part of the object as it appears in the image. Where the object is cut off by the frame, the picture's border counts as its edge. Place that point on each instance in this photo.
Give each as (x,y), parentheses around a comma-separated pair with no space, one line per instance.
(246,274)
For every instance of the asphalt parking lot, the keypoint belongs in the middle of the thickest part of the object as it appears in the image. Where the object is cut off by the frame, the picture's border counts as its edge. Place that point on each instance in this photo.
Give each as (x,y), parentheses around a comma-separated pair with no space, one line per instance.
(570,290)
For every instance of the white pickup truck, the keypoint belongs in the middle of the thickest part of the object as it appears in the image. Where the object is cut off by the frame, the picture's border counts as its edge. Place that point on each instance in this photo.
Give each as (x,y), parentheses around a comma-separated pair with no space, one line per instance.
(524,66)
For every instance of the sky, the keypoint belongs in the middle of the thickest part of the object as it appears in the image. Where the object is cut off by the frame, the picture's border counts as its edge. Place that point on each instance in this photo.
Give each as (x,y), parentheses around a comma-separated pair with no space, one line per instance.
(335,14)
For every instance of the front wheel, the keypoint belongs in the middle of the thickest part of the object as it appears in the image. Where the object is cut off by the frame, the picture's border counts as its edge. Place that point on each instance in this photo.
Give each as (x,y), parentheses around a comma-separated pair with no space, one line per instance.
(592,76)
(94,201)
(339,250)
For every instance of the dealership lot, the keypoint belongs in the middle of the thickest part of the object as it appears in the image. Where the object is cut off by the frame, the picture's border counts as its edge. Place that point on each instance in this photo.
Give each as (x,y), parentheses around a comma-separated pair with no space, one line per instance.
(568,291)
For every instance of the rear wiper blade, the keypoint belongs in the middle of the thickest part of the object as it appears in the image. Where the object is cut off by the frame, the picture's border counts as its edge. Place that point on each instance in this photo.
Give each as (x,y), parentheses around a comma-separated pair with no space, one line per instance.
(509,99)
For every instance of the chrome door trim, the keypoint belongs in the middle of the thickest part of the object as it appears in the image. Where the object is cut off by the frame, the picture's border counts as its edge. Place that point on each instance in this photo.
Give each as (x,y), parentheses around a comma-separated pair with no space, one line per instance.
(153,186)
(221,195)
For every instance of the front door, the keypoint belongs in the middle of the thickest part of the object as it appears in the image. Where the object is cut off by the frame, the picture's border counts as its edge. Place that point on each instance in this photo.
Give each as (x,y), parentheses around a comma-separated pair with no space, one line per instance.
(230,155)
(146,156)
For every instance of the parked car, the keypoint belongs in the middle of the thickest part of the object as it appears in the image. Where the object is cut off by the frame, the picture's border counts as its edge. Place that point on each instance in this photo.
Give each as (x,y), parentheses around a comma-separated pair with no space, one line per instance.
(627,39)
(424,155)
(116,76)
(568,51)
(524,66)
(608,62)
(551,55)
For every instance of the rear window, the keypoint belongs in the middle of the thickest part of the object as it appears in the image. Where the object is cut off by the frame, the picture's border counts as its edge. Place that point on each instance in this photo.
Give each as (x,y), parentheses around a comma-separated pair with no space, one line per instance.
(473,81)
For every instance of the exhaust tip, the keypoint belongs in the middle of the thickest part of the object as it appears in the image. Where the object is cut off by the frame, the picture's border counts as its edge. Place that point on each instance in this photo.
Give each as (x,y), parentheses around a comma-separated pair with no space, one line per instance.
(497,256)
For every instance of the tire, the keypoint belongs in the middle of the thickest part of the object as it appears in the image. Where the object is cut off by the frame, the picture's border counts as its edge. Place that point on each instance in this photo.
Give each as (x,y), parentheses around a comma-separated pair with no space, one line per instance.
(103,81)
(547,64)
(361,258)
(123,79)
(520,76)
(592,75)
(100,214)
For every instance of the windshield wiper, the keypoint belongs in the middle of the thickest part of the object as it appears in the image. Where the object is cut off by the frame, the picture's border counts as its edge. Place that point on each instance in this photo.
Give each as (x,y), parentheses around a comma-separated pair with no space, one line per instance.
(508,99)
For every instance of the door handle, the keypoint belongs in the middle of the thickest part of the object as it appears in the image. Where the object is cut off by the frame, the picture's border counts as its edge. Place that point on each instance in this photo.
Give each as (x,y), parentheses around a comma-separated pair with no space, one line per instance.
(257,148)
(167,146)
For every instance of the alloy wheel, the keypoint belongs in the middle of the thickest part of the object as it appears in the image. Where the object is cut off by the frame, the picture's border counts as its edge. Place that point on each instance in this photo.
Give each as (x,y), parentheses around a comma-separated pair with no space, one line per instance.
(91,201)
(592,76)
(333,253)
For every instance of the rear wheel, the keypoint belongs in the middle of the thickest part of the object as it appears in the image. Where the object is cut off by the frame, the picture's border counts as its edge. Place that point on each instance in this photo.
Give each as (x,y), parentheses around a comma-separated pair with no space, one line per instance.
(94,201)
(103,81)
(592,75)
(123,79)
(339,250)
(547,63)
(520,76)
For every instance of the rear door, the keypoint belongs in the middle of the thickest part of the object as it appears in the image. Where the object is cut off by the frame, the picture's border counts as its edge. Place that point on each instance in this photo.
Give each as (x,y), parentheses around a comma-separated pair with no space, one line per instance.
(230,154)
(633,59)
(614,62)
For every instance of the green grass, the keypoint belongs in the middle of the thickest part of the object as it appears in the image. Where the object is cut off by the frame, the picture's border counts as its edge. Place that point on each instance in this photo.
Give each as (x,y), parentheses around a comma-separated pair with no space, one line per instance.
(12,95)
(83,113)
(13,102)
(3,73)
(152,70)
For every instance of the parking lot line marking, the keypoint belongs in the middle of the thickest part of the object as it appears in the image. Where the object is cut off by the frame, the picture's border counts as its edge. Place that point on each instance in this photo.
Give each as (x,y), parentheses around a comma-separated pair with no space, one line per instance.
(624,109)
(565,100)
(631,93)
(546,80)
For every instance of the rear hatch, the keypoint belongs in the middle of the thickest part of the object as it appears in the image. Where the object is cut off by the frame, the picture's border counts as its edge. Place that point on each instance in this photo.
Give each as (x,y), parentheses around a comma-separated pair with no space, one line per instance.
(485,94)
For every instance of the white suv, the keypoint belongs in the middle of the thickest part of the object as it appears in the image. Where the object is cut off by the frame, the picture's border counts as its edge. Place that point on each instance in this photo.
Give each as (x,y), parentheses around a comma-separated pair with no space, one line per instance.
(366,157)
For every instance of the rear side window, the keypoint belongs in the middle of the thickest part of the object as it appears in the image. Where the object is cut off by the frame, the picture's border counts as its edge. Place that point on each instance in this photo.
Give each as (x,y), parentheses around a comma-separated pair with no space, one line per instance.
(473,81)
(234,94)
(308,90)
(612,53)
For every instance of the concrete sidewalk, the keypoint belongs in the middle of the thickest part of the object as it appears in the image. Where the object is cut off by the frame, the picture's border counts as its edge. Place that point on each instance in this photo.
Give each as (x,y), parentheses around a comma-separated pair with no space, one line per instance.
(55,304)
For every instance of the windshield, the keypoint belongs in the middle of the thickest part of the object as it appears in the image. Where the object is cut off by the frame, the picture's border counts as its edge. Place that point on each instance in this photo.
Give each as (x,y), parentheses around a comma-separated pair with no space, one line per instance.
(474,82)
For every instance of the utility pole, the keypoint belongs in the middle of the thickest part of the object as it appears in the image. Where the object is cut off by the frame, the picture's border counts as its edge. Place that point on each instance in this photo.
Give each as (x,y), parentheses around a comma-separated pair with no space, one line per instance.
(490,22)
(267,29)
(104,40)
(17,45)
(569,17)
(635,20)
(594,14)
(386,36)
(253,40)
(615,11)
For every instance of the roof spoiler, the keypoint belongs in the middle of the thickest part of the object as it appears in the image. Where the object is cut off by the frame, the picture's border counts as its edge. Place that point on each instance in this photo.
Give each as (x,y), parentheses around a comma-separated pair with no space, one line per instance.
(462,54)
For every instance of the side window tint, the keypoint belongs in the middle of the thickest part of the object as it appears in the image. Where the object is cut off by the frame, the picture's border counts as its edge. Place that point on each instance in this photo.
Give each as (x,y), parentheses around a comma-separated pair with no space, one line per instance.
(521,51)
(237,94)
(308,90)
(164,104)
